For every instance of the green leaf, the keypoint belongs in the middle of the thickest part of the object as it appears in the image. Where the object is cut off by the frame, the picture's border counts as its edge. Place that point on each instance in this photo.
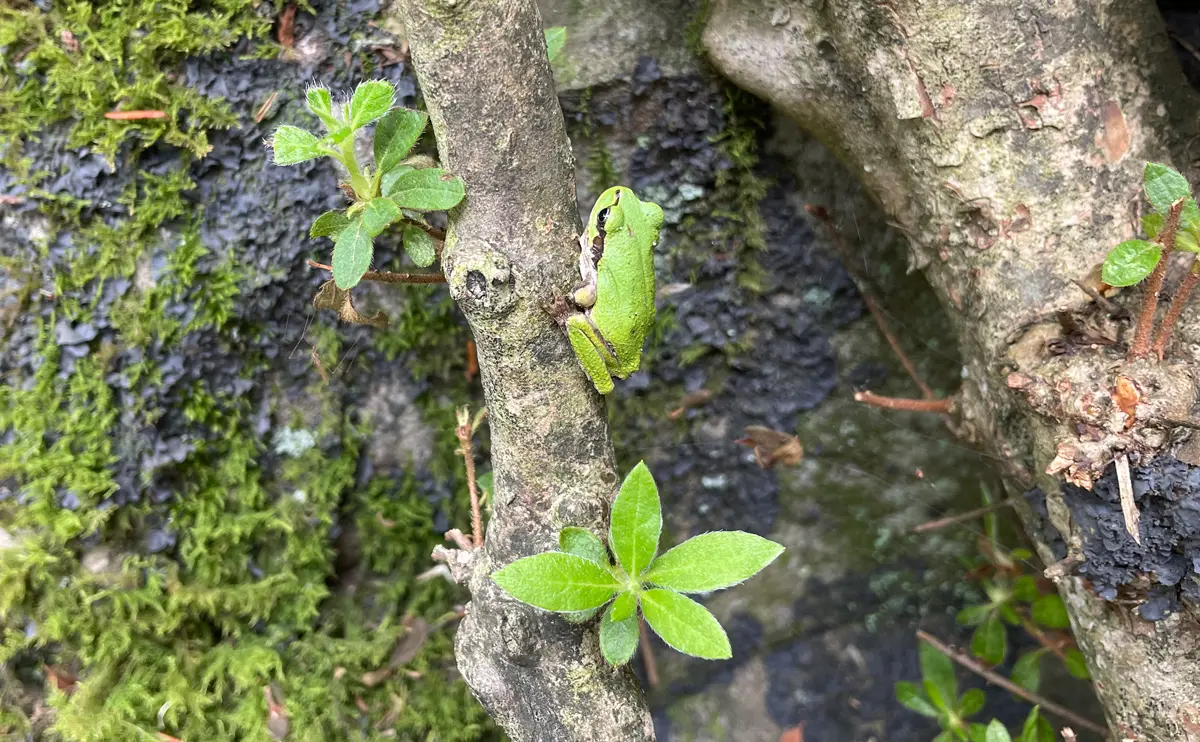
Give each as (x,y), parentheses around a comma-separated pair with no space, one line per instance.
(973,615)
(582,542)
(636,521)
(320,103)
(581,616)
(618,638)
(388,181)
(555,581)
(1027,671)
(997,733)
(1075,663)
(293,145)
(1045,731)
(1152,224)
(712,561)
(1029,732)
(977,733)
(938,673)
(371,100)
(624,606)
(685,625)
(427,189)
(329,224)
(1164,186)
(555,38)
(351,255)
(395,135)
(1025,589)
(419,245)
(944,736)
(971,702)
(1130,262)
(911,697)
(990,642)
(379,213)
(1050,612)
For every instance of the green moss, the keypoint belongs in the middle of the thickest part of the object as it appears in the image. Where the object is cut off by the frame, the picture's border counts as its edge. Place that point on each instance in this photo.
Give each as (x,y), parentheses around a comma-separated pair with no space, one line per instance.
(740,189)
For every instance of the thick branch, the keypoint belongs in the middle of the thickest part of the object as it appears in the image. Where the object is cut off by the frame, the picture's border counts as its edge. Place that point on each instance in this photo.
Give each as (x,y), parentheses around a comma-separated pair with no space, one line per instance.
(509,250)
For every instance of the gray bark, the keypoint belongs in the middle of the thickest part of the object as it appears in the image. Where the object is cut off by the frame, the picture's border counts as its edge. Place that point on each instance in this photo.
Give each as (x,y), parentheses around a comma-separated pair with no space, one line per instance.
(1006,138)
(511,248)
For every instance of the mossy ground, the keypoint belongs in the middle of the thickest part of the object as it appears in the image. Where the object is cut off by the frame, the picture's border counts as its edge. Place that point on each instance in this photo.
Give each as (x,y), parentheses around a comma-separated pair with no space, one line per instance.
(166,552)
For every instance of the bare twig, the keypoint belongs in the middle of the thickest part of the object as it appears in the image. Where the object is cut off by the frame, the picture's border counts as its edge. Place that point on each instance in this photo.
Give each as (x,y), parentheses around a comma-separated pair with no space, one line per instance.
(1145,322)
(1128,508)
(821,214)
(648,660)
(389,276)
(1114,309)
(898,403)
(135,115)
(464,432)
(1008,685)
(1175,308)
(933,525)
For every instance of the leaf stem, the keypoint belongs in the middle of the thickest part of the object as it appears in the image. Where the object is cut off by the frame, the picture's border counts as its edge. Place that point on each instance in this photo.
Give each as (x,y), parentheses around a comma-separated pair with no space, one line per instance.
(390,276)
(1010,686)
(648,660)
(463,431)
(358,181)
(1145,323)
(1175,308)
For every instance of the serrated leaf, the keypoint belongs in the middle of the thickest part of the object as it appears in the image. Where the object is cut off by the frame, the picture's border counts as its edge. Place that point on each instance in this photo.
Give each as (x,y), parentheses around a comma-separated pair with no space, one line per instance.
(293,145)
(427,189)
(636,521)
(685,625)
(1185,239)
(997,733)
(555,581)
(624,606)
(618,638)
(583,543)
(911,697)
(1027,671)
(1049,611)
(351,255)
(712,561)
(370,101)
(1075,663)
(971,702)
(320,103)
(379,213)
(419,245)
(395,135)
(1130,262)
(1164,186)
(938,673)
(555,38)
(990,642)
(328,224)
(388,181)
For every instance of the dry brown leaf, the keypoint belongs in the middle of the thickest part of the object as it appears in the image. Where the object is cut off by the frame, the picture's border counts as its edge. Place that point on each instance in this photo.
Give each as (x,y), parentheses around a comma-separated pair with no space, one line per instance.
(406,651)
(772,447)
(329,296)
(694,399)
(1127,397)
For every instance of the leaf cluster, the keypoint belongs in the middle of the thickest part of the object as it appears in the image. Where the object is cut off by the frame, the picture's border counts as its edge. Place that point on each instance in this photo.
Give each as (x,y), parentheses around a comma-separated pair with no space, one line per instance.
(1133,260)
(582,578)
(397,190)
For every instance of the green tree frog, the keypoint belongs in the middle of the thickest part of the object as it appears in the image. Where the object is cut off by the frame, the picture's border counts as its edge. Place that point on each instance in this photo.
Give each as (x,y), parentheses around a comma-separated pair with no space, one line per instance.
(615,301)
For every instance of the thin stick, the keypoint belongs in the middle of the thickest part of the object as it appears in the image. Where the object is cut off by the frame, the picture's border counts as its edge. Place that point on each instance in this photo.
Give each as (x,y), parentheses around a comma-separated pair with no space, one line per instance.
(821,214)
(1128,508)
(389,276)
(647,654)
(1145,323)
(1176,308)
(135,115)
(463,431)
(933,525)
(1010,686)
(898,403)
(1113,309)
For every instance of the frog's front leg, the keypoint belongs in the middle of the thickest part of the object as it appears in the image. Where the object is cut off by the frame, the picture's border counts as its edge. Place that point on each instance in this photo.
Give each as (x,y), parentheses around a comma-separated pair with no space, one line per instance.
(589,349)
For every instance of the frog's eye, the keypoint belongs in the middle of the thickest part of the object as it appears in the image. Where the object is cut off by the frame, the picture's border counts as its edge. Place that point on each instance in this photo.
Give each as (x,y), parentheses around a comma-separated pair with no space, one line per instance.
(612,219)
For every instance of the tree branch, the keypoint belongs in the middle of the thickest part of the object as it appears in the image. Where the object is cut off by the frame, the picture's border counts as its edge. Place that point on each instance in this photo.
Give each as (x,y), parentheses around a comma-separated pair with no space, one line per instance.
(510,248)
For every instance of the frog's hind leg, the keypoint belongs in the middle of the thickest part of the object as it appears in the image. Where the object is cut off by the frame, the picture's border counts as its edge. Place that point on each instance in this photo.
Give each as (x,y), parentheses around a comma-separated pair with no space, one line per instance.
(588,354)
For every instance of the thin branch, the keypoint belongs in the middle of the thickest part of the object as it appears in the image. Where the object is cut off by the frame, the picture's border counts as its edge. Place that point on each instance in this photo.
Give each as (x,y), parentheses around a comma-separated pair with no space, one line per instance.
(1145,323)
(1128,507)
(1176,308)
(941,406)
(389,276)
(1114,309)
(463,431)
(821,214)
(934,525)
(1008,685)
(648,660)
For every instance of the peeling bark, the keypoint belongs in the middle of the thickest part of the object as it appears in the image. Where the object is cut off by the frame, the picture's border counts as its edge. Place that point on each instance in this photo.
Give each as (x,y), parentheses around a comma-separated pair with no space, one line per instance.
(510,249)
(1006,138)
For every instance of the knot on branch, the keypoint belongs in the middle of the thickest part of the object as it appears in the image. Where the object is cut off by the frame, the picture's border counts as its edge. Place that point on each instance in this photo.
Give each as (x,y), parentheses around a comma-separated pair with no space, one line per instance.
(480,279)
